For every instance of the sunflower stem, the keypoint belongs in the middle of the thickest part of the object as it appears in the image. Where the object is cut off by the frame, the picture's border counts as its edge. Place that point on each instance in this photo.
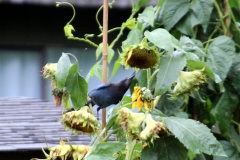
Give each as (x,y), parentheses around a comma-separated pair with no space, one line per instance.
(107,137)
(152,77)
(148,78)
(131,146)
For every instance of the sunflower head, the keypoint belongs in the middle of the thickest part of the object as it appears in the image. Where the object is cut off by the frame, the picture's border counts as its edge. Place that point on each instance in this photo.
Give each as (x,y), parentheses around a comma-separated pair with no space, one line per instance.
(130,121)
(141,56)
(152,130)
(81,120)
(49,71)
(142,96)
(187,82)
(57,94)
(64,151)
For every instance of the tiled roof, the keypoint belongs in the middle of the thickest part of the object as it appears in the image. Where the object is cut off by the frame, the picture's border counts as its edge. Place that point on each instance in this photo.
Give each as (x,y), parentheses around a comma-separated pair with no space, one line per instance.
(25,121)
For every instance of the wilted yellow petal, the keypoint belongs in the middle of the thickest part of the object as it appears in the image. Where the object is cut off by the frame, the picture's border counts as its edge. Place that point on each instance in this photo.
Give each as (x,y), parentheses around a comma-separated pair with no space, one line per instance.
(146,106)
(136,93)
(152,103)
(128,57)
(139,103)
(134,105)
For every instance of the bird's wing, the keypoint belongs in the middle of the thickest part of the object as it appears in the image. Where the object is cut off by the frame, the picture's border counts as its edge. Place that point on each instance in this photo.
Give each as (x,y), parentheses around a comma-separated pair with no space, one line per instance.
(100,87)
(103,86)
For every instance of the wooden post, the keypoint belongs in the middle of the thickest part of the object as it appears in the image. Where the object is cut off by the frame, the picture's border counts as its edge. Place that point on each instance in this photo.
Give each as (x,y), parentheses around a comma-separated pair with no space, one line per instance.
(104,53)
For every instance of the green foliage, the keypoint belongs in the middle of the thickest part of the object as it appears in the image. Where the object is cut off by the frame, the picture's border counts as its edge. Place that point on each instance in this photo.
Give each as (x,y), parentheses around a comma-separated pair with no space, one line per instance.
(169,107)
(194,135)
(77,87)
(173,11)
(221,53)
(147,16)
(223,111)
(169,69)
(232,153)
(188,36)
(106,151)
(203,11)
(165,148)
(234,138)
(134,37)
(198,65)
(63,67)
(161,38)
(100,50)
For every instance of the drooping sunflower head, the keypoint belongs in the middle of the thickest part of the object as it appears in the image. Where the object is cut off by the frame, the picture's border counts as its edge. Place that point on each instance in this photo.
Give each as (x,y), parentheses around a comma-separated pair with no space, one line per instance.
(57,94)
(153,129)
(130,121)
(81,120)
(187,82)
(49,71)
(141,56)
(65,151)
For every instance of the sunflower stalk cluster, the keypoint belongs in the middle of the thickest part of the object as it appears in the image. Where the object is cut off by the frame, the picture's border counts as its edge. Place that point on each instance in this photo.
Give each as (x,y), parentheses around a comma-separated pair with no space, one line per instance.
(64,152)
(81,120)
(140,126)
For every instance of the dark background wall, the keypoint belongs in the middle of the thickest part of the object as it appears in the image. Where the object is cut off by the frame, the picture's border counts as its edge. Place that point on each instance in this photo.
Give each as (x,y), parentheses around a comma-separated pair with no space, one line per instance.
(24,24)
(37,30)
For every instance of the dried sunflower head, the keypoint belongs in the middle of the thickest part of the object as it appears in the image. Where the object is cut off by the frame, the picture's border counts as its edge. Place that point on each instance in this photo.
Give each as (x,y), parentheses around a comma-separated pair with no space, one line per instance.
(80,120)
(57,94)
(152,130)
(64,152)
(141,56)
(49,71)
(130,121)
(187,82)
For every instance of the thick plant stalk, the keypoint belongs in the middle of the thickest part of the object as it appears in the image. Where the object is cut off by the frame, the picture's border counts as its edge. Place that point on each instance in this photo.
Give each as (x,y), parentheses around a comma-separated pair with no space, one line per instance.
(105,53)
(131,146)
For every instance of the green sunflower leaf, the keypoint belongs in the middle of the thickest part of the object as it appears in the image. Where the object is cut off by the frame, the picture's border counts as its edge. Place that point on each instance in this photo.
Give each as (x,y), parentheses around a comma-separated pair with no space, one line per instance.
(63,67)
(173,11)
(106,151)
(230,150)
(165,148)
(161,38)
(147,16)
(221,53)
(194,136)
(77,87)
(169,69)
(223,111)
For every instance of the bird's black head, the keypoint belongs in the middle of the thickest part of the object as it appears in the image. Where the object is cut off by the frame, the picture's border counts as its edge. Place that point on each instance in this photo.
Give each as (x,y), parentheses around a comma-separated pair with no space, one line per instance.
(127,81)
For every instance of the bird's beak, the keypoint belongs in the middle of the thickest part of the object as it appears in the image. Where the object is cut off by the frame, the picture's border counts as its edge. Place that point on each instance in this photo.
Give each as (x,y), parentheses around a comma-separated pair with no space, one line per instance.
(131,77)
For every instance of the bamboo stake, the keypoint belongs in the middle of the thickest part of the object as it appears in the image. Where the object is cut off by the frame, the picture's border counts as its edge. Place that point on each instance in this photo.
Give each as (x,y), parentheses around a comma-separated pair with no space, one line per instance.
(227,19)
(104,54)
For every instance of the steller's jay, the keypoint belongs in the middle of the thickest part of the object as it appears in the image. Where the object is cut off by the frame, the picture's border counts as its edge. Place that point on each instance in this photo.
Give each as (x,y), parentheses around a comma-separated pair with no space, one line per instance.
(109,93)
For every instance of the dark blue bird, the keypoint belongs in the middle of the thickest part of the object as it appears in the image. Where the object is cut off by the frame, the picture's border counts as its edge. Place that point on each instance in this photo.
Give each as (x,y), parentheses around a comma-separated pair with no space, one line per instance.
(109,93)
